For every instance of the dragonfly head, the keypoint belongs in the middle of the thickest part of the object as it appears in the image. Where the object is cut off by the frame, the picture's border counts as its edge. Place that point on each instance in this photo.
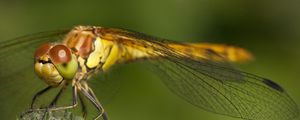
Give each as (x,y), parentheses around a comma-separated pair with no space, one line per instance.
(55,63)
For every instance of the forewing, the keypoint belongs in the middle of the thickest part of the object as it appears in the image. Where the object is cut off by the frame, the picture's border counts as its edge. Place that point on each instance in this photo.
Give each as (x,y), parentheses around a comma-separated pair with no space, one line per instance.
(106,85)
(219,88)
(214,86)
(18,82)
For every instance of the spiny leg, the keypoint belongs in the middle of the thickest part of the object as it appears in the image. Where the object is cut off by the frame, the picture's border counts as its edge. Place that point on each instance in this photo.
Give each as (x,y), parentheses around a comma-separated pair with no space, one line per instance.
(34,99)
(39,94)
(83,107)
(74,104)
(91,99)
(94,102)
(53,103)
(91,92)
(74,101)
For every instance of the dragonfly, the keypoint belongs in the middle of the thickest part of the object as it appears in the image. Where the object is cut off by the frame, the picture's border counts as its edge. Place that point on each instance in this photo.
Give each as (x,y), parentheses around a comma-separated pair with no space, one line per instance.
(200,73)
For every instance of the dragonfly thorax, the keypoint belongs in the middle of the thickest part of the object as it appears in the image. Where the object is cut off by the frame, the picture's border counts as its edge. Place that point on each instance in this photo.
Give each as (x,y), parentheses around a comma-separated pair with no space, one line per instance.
(94,52)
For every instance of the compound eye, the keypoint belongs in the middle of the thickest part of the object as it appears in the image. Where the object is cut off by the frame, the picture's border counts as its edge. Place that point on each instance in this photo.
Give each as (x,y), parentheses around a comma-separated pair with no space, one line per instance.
(43,49)
(60,54)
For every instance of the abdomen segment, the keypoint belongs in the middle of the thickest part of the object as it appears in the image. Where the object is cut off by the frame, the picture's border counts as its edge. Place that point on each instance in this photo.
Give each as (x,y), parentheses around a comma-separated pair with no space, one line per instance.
(215,52)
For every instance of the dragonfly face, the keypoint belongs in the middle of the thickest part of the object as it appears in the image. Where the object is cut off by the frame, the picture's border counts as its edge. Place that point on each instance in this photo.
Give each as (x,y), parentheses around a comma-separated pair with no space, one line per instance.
(55,63)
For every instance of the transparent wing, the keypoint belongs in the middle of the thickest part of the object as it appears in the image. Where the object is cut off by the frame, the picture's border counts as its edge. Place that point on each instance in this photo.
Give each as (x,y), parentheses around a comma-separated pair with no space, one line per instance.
(19,84)
(214,86)
(106,85)
(16,53)
(219,88)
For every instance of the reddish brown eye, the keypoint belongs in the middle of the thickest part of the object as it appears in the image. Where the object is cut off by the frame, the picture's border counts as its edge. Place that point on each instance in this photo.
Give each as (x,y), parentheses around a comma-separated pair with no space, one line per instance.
(43,49)
(60,54)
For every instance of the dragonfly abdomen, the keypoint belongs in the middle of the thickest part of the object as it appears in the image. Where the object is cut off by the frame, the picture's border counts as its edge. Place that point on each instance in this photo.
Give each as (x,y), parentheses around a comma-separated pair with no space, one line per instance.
(216,52)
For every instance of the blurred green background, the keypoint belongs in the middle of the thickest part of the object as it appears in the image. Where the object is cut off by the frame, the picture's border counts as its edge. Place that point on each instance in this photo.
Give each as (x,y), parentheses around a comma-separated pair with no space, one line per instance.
(268,28)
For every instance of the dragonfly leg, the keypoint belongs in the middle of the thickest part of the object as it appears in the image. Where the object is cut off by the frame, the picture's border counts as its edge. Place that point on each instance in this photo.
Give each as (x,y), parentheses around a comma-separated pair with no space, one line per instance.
(53,103)
(105,117)
(95,103)
(83,107)
(74,102)
(39,94)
